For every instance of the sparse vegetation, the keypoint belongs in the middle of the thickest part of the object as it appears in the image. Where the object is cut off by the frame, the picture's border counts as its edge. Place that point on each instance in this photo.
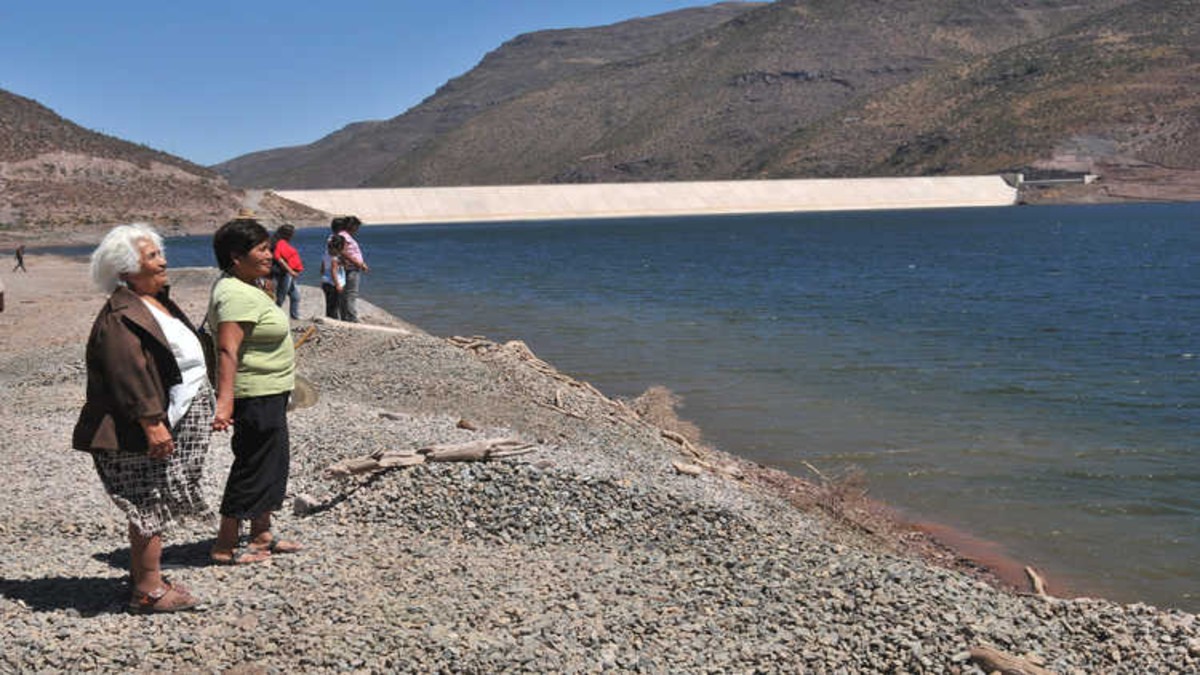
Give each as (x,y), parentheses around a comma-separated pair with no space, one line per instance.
(58,174)
(792,89)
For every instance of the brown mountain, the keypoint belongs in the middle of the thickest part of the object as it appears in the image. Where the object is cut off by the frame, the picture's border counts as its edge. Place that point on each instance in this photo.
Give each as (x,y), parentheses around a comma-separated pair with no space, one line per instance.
(350,156)
(790,89)
(703,107)
(55,175)
(1118,95)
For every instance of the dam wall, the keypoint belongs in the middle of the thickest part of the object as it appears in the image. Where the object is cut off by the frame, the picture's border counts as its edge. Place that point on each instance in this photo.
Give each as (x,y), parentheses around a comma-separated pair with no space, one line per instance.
(626,200)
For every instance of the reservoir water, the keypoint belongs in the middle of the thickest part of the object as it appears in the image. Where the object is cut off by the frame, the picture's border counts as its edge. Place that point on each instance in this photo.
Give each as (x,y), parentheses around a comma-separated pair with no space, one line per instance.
(1028,375)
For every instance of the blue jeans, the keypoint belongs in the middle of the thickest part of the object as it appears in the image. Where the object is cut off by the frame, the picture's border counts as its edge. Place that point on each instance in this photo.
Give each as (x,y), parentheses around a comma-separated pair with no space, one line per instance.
(286,287)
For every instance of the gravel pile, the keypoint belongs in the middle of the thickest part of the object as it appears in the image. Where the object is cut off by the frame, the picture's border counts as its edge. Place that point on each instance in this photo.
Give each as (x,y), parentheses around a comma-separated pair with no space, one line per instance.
(591,553)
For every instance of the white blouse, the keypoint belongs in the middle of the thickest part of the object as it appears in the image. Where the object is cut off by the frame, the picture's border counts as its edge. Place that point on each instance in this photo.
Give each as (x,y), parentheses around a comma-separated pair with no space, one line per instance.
(190,357)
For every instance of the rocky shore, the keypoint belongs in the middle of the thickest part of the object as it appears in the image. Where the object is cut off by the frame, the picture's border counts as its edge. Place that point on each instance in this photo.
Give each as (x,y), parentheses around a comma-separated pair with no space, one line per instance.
(619,543)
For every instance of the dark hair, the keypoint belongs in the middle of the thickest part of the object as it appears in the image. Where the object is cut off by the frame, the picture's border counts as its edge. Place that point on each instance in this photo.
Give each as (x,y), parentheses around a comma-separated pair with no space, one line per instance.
(335,244)
(237,237)
(285,231)
(344,223)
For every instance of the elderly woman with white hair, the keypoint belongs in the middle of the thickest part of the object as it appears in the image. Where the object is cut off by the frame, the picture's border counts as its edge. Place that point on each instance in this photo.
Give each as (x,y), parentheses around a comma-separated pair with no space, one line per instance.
(146,420)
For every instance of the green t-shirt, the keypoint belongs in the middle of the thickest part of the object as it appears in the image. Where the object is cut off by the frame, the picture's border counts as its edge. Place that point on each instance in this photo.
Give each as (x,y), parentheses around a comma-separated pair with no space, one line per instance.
(267,358)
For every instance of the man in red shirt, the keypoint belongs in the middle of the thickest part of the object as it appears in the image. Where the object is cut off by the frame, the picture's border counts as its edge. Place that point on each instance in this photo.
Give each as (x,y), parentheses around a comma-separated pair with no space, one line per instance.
(288,268)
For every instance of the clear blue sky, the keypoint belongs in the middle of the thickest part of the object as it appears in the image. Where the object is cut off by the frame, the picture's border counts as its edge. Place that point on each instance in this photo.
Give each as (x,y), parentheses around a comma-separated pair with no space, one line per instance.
(210,80)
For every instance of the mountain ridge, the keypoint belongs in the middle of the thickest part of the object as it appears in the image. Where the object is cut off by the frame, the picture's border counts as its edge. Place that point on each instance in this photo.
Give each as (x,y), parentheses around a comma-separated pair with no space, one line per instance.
(525,63)
(746,94)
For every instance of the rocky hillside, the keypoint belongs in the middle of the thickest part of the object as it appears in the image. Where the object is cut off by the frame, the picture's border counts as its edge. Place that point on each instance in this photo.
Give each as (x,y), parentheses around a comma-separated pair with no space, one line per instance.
(799,88)
(351,156)
(57,176)
(1116,95)
(705,106)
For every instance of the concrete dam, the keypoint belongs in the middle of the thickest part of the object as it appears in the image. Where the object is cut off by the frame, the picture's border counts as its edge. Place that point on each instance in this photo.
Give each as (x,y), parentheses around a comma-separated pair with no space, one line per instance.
(628,200)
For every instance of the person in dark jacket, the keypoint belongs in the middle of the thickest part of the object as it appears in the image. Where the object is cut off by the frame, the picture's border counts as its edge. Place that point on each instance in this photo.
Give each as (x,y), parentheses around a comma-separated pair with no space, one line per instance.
(149,403)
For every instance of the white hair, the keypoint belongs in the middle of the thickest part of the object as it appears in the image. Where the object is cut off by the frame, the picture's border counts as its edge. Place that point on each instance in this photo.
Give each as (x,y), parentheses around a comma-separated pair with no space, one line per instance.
(118,254)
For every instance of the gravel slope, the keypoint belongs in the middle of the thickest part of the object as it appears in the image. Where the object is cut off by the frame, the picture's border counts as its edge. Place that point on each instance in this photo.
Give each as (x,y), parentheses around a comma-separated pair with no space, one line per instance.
(591,553)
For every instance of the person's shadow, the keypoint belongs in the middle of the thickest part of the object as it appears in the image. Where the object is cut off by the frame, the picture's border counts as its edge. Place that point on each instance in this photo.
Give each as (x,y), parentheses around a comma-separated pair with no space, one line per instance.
(90,596)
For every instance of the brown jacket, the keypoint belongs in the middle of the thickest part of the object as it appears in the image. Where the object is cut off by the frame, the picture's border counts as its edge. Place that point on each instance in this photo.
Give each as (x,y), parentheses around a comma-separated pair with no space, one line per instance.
(130,370)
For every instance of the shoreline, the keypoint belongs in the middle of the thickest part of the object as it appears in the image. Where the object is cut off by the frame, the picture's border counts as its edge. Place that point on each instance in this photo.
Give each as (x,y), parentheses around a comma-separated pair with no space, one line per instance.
(89,235)
(618,543)
(932,541)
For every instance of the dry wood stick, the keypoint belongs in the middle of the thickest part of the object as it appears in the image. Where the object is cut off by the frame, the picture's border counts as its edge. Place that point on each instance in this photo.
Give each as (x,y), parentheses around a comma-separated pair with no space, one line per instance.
(994,660)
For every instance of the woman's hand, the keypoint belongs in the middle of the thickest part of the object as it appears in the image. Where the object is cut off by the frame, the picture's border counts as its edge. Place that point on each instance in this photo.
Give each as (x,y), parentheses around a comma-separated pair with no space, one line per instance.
(223,418)
(158,439)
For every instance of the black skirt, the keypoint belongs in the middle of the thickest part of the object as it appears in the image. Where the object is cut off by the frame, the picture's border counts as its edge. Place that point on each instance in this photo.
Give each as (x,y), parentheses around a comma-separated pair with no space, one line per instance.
(261,455)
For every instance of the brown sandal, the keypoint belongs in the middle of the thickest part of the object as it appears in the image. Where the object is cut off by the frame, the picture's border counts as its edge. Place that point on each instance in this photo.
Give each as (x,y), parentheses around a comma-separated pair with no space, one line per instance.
(248,557)
(164,599)
(276,545)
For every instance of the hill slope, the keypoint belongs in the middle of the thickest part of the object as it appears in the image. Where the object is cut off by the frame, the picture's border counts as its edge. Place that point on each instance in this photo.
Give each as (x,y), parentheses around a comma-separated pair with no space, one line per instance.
(701,108)
(1116,95)
(350,156)
(54,174)
(711,93)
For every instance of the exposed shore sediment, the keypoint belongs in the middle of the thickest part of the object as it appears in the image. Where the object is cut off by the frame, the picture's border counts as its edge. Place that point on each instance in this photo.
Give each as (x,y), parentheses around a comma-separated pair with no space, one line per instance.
(593,552)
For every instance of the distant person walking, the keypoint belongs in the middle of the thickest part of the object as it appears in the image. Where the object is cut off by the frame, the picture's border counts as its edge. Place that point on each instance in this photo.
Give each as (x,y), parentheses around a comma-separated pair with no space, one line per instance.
(19,254)
(288,267)
(333,276)
(346,227)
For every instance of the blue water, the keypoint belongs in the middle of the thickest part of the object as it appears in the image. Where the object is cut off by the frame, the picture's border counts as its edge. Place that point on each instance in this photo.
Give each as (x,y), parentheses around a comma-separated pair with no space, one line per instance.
(1030,375)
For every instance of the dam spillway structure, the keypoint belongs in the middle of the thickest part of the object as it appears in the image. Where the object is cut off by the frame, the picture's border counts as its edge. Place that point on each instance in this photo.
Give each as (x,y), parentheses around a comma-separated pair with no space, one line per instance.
(400,206)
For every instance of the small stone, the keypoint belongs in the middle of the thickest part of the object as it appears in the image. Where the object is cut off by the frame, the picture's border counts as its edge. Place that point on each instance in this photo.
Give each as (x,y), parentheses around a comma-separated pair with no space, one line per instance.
(304,504)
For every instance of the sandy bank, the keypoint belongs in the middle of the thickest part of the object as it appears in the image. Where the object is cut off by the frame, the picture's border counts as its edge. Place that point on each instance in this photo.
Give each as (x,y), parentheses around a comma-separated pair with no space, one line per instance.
(594,552)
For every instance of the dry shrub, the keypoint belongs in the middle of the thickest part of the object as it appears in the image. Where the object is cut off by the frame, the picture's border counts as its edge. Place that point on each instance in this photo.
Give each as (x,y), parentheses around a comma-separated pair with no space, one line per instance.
(658,405)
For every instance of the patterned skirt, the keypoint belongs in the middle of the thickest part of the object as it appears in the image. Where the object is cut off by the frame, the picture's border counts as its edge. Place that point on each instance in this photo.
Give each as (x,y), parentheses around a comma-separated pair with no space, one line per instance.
(157,493)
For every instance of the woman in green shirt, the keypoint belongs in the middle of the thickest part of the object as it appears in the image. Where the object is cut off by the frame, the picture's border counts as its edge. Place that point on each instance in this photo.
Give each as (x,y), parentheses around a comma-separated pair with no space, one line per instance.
(255,377)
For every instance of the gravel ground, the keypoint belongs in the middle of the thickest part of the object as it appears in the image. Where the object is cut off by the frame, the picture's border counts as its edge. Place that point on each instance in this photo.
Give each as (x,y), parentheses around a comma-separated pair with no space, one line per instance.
(591,553)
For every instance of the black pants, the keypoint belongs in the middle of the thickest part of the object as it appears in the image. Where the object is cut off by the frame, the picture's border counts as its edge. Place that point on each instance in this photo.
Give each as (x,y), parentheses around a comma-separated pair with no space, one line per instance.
(333,303)
(261,455)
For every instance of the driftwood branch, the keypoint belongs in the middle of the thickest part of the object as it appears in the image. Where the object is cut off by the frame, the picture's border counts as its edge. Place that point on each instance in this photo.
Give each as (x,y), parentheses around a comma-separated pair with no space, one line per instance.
(994,660)
(476,451)
(1037,582)
(365,327)
(472,451)
(311,331)
(682,442)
